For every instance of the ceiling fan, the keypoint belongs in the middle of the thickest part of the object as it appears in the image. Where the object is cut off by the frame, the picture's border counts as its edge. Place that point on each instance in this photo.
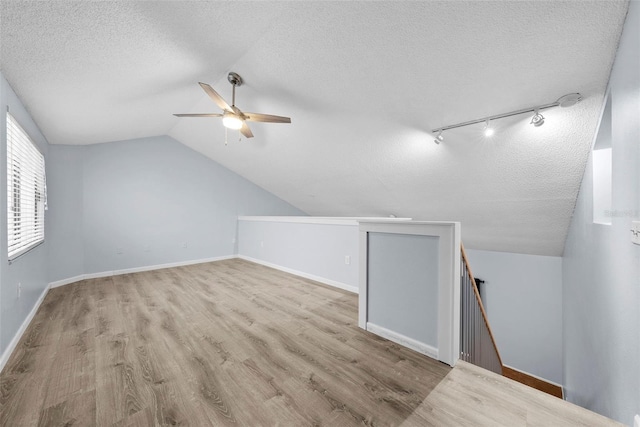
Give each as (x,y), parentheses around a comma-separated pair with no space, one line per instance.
(232,116)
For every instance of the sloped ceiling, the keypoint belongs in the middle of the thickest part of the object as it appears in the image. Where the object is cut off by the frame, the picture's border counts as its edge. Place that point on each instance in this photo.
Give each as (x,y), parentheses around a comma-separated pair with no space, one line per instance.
(364,84)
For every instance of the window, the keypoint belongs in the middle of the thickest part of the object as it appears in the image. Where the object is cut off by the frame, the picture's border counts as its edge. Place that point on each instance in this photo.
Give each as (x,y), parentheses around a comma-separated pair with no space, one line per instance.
(26,191)
(603,169)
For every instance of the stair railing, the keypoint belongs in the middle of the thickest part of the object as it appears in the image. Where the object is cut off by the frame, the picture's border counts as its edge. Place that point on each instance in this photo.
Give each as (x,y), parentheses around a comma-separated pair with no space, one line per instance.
(477,344)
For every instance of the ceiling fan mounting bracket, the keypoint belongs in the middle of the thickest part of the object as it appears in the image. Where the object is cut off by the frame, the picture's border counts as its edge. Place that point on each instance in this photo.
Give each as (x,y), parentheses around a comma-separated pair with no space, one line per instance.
(234,79)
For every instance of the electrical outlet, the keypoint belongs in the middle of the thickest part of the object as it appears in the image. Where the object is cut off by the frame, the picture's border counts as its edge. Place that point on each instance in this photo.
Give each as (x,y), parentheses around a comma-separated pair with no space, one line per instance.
(19,289)
(635,232)
(185,245)
(347,259)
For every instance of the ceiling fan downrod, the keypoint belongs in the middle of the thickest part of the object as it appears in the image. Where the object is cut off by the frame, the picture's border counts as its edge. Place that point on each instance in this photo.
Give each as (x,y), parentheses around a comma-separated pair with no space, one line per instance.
(235,80)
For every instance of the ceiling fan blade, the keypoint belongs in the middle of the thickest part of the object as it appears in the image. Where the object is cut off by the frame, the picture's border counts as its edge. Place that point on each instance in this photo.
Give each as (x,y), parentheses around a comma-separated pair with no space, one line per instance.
(267,118)
(199,115)
(246,131)
(220,102)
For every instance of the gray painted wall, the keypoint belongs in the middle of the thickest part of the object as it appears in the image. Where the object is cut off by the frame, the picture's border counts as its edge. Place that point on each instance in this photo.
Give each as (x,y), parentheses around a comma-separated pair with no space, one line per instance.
(523,299)
(30,269)
(316,249)
(146,198)
(601,267)
(403,285)
(64,179)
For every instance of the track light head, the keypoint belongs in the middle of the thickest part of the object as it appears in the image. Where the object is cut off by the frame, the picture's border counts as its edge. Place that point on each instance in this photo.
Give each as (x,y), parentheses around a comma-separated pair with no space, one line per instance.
(439,138)
(488,130)
(537,120)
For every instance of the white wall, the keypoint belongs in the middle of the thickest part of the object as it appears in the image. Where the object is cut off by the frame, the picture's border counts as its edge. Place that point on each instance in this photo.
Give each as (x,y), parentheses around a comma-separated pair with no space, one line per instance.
(523,299)
(601,267)
(314,248)
(30,269)
(147,199)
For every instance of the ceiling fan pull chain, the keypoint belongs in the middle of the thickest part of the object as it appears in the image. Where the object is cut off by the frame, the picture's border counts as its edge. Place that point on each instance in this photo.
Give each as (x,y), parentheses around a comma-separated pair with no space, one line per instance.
(225,136)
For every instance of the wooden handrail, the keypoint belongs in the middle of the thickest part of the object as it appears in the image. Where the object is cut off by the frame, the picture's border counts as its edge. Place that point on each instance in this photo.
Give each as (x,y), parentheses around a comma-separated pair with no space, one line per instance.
(479,301)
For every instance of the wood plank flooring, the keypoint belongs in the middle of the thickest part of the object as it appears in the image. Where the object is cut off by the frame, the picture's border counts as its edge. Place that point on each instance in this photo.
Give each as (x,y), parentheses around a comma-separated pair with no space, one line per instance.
(236,343)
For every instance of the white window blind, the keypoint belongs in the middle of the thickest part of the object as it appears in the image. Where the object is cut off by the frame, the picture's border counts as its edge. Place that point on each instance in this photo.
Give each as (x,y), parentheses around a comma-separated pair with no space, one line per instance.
(26,191)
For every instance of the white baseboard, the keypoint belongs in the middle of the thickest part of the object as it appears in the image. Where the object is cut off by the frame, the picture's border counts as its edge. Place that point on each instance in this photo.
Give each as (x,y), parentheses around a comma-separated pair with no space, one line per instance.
(68,281)
(136,270)
(16,338)
(403,340)
(326,281)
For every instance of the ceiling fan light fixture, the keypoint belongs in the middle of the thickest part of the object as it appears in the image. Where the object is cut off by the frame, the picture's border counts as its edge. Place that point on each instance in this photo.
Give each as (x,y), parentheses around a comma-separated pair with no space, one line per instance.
(231,121)
(232,116)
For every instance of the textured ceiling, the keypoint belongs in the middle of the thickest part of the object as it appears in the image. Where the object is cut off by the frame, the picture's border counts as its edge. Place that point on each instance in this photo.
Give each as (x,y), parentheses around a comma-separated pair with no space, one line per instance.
(364,83)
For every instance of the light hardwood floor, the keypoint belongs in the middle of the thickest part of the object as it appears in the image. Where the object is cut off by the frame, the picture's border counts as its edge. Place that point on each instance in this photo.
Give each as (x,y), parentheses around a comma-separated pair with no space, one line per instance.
(236,343)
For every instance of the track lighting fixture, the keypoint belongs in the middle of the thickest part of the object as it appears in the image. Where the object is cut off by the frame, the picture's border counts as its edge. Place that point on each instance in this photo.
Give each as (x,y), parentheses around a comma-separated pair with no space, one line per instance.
(439,138)
(537,120)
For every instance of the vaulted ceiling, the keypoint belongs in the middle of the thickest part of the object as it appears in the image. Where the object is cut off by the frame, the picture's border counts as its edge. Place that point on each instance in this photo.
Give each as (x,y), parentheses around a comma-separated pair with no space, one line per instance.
(364,84)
